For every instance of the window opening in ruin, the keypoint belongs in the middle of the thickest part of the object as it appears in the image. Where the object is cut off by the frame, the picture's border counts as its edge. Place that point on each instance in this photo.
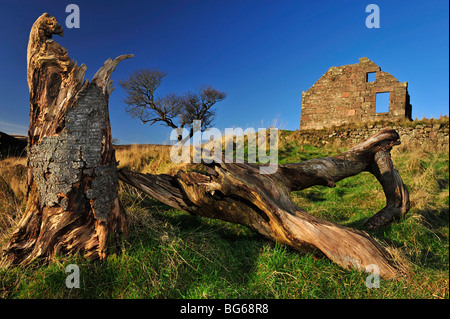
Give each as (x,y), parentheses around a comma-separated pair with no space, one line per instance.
(382,102)
(371,77)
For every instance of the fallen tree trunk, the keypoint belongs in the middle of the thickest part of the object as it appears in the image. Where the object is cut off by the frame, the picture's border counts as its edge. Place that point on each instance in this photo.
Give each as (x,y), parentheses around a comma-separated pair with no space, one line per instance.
(238,193)
(72,181)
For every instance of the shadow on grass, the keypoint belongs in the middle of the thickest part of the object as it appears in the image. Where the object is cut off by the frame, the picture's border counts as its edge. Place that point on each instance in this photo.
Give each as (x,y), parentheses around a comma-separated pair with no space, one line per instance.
(171,254)
(194,257)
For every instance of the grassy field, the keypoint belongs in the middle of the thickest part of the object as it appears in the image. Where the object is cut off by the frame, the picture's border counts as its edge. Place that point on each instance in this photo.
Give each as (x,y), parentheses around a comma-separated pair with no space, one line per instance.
(170,254)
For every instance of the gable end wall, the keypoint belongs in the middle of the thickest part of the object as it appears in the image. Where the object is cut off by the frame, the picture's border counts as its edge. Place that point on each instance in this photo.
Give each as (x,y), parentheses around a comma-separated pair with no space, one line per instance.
(343,95)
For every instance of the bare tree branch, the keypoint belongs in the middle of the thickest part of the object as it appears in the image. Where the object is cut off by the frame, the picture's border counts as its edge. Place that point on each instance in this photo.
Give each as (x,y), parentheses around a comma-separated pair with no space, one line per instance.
(141,101)
(173,110)
(198,106)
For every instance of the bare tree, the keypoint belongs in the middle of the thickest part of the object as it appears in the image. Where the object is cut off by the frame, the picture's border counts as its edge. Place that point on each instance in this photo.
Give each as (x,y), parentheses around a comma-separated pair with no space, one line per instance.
(172,110)
(198,105)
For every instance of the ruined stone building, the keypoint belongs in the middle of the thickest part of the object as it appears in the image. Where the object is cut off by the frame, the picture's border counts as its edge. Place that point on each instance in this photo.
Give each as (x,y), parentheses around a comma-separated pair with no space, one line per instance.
(352,93)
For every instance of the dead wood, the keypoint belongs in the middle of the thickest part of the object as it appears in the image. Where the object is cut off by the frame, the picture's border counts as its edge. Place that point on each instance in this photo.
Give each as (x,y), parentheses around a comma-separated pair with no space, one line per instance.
(72,181)
(238,193)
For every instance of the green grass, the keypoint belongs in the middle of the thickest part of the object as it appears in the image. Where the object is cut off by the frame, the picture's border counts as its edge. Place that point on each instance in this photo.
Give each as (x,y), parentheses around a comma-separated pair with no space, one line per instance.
(170,254)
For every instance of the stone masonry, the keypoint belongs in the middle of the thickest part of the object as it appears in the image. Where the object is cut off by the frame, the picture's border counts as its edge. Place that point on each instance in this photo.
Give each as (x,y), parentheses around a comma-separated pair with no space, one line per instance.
(346,95)
(430,132)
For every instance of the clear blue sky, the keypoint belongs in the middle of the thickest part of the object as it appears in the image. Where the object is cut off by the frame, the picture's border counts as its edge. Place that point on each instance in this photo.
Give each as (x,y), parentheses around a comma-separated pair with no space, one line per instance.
(262,53)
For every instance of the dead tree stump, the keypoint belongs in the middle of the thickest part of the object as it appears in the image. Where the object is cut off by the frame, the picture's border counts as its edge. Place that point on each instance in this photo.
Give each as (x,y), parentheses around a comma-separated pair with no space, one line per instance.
(72,181)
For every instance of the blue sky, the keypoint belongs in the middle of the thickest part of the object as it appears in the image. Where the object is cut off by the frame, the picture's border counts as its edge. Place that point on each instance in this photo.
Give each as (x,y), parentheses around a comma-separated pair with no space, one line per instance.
(262,53)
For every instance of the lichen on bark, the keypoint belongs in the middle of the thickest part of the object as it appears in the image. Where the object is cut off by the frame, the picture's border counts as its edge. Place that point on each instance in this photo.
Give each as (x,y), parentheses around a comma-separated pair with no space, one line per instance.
(72,181)
(61,161)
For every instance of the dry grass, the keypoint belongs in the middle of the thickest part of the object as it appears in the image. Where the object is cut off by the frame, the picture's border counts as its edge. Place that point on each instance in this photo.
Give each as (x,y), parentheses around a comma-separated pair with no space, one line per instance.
(151,159)
(13,172)
(12,194)
(419,166)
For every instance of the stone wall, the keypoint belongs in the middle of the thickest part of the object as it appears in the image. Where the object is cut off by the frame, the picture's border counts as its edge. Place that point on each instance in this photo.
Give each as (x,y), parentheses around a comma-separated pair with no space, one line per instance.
(434,133)
(345,95)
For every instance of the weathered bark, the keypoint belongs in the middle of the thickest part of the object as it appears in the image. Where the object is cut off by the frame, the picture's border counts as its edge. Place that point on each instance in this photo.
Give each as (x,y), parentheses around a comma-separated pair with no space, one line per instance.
(238,193)
(72,181)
